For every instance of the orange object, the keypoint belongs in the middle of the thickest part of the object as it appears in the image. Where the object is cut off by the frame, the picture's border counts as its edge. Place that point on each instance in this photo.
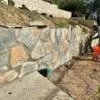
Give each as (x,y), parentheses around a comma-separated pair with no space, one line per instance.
(96,53)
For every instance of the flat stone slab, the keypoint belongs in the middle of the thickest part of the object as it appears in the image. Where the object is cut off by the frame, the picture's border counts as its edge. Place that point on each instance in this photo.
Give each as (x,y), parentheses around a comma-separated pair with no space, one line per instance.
(32,87)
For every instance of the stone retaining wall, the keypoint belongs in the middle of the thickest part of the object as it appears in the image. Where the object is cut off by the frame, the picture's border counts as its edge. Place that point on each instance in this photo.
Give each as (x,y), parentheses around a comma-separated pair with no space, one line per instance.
(42,7)
(27,49)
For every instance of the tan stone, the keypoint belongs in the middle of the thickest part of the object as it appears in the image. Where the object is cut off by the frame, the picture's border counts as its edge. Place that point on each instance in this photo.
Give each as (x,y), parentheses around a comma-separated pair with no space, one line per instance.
(8,76)
(18,56)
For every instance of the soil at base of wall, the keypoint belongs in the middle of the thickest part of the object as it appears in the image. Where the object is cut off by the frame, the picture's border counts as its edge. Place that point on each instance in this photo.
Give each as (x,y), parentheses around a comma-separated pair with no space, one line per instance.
(81,81)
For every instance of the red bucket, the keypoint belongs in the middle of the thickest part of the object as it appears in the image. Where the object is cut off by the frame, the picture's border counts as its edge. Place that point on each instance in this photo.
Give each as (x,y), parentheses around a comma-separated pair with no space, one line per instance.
(96,53)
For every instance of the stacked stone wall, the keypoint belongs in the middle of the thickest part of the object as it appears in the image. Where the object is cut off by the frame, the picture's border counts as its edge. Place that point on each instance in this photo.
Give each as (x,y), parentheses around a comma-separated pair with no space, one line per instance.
(28,49)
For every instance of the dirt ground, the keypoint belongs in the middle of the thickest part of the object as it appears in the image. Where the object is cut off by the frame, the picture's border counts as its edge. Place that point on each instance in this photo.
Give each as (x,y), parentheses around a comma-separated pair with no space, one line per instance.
(16,16)
(81,81)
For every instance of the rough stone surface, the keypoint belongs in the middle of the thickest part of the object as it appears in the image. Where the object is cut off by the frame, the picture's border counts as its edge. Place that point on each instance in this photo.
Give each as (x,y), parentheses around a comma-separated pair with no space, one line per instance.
(29,37)
(8,76)
(38,51)
(28,67)
(18,56)
(4,68)
(32,87)
(4,59)
(7,36)
(50,46)
(45,34)
(3,48)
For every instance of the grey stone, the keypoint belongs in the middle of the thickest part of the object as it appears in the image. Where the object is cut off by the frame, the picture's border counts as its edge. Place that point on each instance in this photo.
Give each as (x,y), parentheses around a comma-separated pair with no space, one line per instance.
(32,87)
(7,36)
(53,35)
(28,38)
(39,51)
(4,68)
(69,34)
(64,33)
(4,59)
(8,76)
(18,32)
(58,35)
(47,59)
(45,34)
(28,67)
(48,46)
(43,66)
(3,48)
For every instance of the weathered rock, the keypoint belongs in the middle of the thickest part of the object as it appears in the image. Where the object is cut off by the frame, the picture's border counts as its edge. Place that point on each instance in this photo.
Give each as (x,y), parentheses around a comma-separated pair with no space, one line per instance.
(28,67)
(29,37)
(18,56)
(58,35)
(3,48)
(69,34)
(7,36)
(3,68)
(38,51)
(43,66)
(8,76)
(47,59)
(4,59)
(64,33)
(45,34)
(53,35)
(48,46)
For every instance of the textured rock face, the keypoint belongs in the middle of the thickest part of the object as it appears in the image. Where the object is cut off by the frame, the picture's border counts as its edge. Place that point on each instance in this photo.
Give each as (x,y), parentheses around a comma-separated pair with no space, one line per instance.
(4,68)
(4,59)
(28,67)
(38,51)
(29,37)
(3,48)
(8,76)
(18,56)
(7,37)
(30,49)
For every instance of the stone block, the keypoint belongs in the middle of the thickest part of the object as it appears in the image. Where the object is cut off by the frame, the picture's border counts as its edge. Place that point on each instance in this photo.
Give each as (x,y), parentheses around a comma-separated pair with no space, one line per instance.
(53,35)
(4,68)
(4,59)
(18,56)
(43,66)
(29,37)
(48,46)
(39,51)
(58,35)
(7,36)
(28,67)
(3,48)
(45,34)
(8,76)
